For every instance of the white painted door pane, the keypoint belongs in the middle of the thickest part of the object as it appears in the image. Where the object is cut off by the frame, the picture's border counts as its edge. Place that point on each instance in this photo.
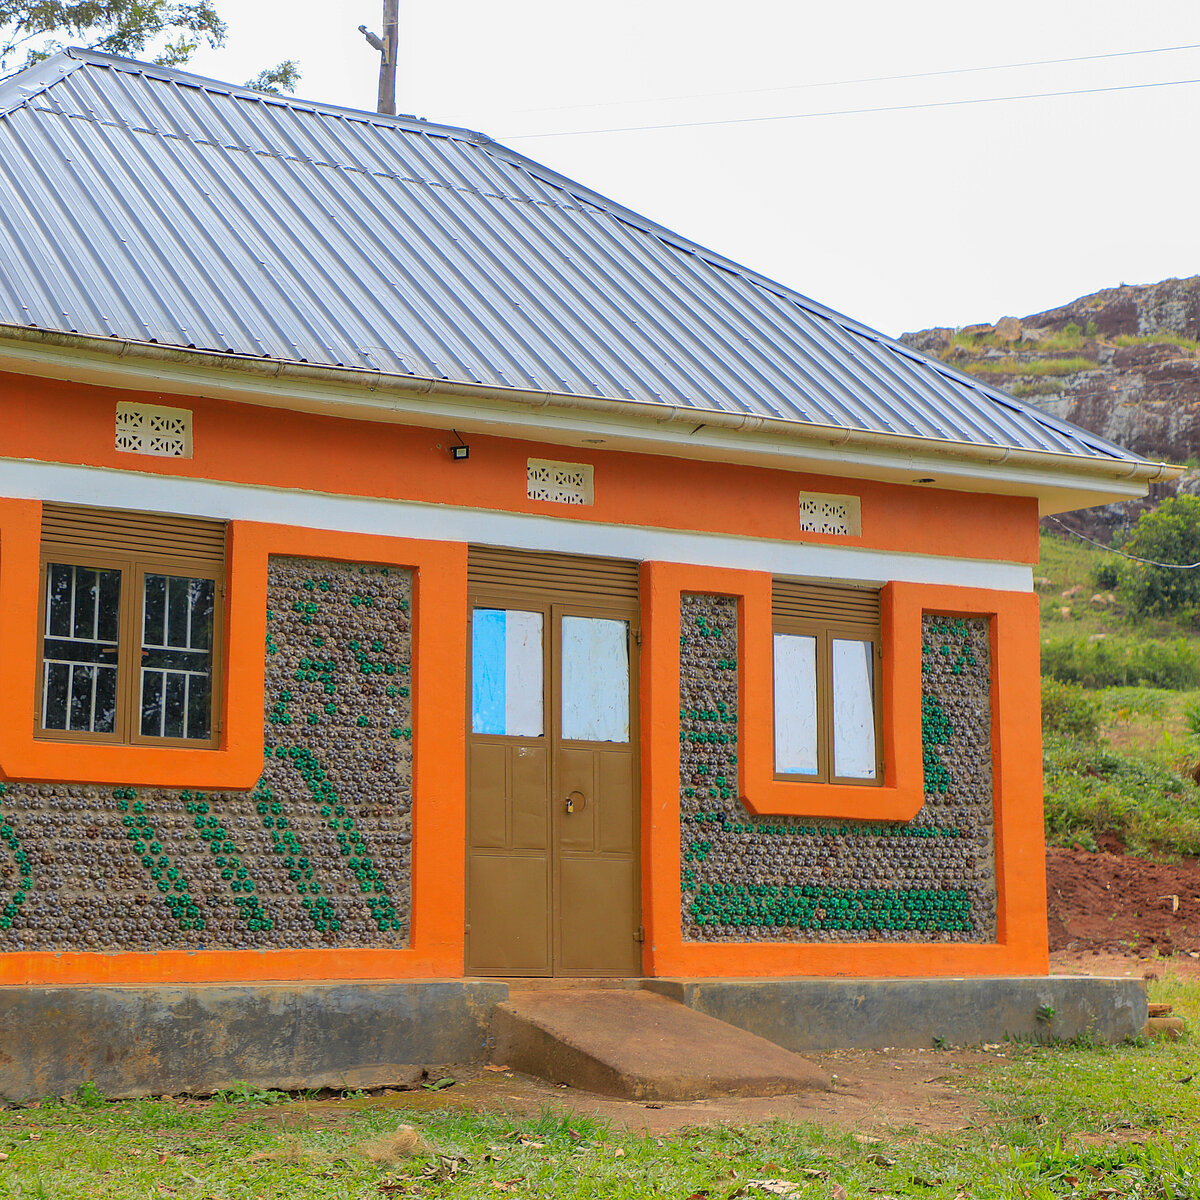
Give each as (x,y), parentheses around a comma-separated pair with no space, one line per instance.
(795,704)
(595,680)
(853,709)
(506,672)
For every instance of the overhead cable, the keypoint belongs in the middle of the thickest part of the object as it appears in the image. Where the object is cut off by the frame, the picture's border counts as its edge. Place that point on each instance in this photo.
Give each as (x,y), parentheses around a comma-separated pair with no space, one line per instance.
(796,87)
(850,112)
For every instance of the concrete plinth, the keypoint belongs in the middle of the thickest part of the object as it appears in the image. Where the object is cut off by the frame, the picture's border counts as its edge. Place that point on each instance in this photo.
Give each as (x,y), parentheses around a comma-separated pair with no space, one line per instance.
(806,1015)
(136,1041)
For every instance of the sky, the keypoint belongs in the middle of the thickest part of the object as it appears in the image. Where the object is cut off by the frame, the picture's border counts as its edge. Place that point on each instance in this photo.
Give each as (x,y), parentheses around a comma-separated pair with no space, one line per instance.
(904,219)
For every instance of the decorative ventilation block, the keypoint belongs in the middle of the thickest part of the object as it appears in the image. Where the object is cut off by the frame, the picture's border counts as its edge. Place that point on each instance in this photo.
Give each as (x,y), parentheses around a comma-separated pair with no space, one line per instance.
(559,482)
(822,513)
(152,429)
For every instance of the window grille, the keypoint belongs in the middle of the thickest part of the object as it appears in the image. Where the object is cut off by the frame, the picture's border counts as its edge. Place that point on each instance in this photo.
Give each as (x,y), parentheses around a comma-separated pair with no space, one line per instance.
(152,429)
(559,482)
(821,513)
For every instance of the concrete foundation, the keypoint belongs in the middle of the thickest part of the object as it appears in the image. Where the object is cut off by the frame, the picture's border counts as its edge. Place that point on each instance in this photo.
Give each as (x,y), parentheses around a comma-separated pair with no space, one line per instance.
(806,1015)
(137,1041)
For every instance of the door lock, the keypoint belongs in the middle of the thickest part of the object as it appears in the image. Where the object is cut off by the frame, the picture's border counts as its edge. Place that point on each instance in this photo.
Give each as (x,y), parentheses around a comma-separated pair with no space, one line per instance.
(576,798)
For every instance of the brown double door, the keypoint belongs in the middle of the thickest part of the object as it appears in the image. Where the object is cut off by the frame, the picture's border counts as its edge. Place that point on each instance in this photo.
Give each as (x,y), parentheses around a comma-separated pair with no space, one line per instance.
(552,820)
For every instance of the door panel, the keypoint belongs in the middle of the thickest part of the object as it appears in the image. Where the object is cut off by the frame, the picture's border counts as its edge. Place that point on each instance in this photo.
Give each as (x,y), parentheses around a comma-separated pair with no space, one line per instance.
(489,797)
(509,915)
(530,774)
(618,818)
(596,916)
(576,785)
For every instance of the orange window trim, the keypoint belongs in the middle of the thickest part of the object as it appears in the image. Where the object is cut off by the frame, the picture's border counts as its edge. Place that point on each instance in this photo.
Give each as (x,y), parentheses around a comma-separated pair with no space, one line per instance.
(1021,938)
(439,751)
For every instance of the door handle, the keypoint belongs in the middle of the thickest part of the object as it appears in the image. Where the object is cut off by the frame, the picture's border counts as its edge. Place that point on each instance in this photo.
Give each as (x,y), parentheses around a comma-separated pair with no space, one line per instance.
(576,798)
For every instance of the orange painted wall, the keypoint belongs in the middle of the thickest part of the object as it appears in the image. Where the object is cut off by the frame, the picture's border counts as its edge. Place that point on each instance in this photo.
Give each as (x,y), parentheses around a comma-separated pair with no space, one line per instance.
(265,446)
(1022,944)
(241,443)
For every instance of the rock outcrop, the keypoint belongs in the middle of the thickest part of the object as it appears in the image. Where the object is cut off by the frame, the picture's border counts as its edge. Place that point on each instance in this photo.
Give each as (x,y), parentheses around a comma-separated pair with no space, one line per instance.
(1123,363)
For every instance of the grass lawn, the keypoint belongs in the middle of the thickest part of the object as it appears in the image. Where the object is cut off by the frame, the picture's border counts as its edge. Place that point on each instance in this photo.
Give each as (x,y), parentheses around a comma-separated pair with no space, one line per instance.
(1069,1121)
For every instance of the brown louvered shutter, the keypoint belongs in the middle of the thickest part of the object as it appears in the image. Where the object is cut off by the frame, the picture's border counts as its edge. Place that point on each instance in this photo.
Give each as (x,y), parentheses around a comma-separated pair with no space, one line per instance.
(77,529)
(825,604)
(576,577)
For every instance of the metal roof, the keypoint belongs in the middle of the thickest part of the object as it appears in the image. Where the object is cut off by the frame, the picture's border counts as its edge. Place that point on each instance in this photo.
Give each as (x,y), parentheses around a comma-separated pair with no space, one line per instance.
(151,205)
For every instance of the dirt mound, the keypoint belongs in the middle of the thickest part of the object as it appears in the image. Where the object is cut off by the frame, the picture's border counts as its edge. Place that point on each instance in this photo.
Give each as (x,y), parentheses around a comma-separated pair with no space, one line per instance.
(1114,901)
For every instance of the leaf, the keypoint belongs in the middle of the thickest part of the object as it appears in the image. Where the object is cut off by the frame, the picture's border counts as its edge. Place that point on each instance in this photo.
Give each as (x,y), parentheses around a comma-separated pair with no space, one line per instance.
(881,1160)
(839,1192)
(494,1067)
(776,1187)
(444,1082)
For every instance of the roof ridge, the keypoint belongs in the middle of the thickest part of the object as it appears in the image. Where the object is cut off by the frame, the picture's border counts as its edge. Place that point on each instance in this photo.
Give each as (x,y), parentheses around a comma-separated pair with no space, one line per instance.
(135,66)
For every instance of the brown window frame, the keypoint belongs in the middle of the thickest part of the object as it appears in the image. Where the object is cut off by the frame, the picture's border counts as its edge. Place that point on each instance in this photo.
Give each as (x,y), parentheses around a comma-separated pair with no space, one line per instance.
(134,564)
(825,631)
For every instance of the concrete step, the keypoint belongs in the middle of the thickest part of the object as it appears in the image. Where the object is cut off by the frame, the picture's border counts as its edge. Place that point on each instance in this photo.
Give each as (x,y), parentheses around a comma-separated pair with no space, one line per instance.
(640,1046)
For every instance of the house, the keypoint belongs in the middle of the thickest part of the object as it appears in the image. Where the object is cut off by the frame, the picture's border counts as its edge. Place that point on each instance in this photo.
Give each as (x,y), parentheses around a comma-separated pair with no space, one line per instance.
(417,567)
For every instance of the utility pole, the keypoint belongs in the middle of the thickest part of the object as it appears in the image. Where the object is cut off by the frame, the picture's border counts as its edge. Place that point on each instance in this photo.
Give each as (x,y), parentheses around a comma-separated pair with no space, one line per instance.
(387,45)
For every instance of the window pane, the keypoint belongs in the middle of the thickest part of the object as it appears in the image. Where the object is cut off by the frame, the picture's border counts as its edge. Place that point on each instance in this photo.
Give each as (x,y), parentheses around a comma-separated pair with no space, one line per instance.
(85,623)
(83,606)
(506,672)
(60,579)
(795,704)
(199,706)
(595,680)
(177,622)
(154,620)
(56,688)
(853,709)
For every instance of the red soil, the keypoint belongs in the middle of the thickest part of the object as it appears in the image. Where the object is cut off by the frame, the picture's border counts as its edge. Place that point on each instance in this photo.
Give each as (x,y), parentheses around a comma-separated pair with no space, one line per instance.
(1114,902)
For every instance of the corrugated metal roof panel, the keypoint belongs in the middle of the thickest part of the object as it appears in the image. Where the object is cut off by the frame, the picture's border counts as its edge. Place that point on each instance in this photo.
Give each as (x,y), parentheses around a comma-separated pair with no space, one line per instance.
(151,205)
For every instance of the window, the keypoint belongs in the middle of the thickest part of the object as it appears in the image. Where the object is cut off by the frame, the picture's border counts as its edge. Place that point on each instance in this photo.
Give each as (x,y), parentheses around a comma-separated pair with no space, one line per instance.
(826,659)
(130,617)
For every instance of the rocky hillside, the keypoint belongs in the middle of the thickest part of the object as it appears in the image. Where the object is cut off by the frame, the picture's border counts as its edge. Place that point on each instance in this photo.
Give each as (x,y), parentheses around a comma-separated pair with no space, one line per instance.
(1124,363)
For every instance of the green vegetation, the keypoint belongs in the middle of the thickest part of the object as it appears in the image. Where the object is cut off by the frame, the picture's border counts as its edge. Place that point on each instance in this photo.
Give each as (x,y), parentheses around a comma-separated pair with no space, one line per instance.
(1120,709)
(1167,534)
(1034,387)
(1068,709)
(1040,366)
(1059,1121)
(1123,662)
(1093,790)
(1157,339)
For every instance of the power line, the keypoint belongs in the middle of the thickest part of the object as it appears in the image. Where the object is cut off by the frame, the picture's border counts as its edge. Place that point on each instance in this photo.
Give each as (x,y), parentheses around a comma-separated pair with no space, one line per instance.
(1132,557)
(851,112)
(795,87)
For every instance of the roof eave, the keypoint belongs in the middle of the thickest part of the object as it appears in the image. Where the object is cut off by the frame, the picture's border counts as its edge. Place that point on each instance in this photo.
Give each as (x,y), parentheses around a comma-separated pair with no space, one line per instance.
(1060,481)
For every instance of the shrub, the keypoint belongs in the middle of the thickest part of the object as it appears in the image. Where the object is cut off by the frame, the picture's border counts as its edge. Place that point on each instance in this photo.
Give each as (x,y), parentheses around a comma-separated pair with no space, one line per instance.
(1169,533)
(1067,708)
(1106,574)
(1071,329)
(1092,329)
(1115,662)
(1091,790)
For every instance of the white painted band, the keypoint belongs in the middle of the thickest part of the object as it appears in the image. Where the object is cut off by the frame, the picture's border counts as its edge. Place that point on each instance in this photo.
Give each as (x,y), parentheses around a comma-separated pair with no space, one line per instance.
(437,522)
